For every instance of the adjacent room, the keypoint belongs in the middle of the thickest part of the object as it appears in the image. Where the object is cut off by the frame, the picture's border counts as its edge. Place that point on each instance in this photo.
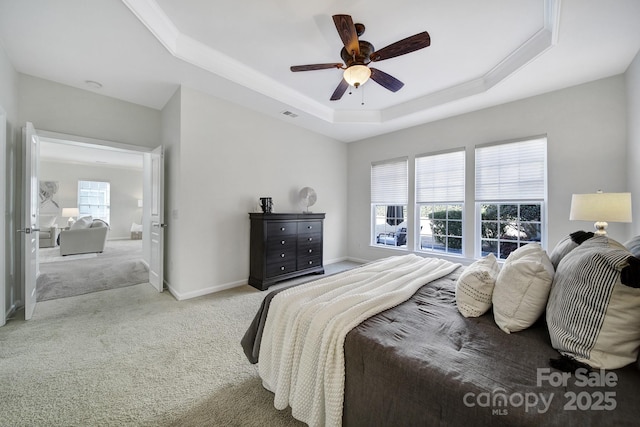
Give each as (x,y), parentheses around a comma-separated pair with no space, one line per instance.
(309,213)
(80,185)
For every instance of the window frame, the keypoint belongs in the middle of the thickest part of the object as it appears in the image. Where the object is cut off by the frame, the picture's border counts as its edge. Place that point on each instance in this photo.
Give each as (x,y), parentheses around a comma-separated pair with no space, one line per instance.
(517,241)
(435,194)
(538,196)
(388,197)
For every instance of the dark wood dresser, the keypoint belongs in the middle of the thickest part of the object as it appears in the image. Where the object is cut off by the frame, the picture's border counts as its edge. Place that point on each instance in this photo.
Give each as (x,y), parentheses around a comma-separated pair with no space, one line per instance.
(283,246)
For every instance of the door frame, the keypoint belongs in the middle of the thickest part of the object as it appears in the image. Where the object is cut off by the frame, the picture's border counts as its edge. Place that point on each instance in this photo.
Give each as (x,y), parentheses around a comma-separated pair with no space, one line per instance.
(3,209)
(81,141)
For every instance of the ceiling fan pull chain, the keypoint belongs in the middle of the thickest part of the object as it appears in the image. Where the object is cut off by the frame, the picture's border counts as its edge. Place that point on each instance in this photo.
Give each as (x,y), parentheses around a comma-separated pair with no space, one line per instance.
(362,103)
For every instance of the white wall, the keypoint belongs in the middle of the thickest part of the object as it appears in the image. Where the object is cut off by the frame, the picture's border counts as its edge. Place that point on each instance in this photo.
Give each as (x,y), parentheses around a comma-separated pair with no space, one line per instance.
(229,157)
(10,291)
(126,190)
(59,108)
(586,129)
(633,134)
(171,146)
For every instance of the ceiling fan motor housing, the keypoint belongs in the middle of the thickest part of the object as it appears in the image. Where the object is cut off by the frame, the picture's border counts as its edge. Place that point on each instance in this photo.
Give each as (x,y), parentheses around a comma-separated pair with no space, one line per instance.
(362,58)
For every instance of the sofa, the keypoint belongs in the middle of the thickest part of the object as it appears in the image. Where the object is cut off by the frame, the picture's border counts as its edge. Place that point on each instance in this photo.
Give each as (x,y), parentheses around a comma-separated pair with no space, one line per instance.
(86,235)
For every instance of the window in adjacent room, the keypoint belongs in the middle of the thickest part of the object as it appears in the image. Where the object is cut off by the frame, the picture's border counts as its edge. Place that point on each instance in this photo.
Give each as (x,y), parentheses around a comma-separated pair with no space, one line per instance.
(389,188)
(94,199)
(440,202)
(511,191)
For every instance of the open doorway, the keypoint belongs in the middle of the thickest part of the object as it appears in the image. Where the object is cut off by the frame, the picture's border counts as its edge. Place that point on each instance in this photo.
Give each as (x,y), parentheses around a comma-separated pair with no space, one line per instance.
(84,183)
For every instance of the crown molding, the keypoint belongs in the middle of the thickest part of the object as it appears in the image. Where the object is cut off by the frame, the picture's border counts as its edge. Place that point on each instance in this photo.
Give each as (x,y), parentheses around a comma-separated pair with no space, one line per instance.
(187,49)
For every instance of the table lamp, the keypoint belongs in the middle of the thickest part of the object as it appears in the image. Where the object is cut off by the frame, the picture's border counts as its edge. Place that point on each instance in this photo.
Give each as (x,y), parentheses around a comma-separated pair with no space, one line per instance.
(71,213)
(601,208)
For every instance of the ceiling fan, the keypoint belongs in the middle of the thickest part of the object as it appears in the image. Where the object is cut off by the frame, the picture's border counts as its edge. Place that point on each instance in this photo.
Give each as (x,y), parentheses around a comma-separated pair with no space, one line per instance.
(357,54)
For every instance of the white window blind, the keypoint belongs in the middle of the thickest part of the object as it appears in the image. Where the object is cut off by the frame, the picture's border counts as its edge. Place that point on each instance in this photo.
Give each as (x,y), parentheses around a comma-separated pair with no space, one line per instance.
(511,171)
(440,177)
(94,198)
(389,182)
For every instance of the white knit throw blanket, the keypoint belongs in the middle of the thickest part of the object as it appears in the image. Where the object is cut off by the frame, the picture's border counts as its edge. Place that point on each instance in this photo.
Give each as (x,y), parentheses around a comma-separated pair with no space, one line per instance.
(301,356)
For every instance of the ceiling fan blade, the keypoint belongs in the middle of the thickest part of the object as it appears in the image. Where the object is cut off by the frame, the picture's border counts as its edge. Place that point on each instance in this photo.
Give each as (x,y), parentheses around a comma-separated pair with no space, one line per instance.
(385,80)
(347,31)
(312,67)
(340,90)
(410,44)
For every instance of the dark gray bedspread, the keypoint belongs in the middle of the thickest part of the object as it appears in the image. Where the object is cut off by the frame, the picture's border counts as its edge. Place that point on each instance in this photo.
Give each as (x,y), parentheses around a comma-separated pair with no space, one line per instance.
(423,364)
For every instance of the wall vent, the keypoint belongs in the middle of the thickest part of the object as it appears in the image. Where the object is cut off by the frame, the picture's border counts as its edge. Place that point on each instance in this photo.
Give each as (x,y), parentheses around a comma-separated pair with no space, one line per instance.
(290,114)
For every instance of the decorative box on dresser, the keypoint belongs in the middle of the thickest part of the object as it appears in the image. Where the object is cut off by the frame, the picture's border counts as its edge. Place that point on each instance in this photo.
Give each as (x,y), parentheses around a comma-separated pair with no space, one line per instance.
(283,246)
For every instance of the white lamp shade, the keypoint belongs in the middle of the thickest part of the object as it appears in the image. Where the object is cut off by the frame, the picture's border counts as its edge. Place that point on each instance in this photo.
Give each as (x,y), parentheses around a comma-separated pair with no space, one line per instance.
(607,207)
(357,75)
(70,212)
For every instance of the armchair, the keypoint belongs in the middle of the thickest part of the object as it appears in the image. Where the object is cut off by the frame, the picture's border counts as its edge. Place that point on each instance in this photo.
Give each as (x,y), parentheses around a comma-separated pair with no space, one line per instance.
(84,240)
(47,237)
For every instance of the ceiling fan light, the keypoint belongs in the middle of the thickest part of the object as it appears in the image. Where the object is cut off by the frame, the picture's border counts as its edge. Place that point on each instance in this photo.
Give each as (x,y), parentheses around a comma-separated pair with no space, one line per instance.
(357,75)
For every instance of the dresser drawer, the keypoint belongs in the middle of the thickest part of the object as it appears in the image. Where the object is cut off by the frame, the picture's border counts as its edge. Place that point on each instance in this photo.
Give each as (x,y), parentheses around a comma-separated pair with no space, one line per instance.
(283,267)
(281,243)
(310,248)
(309,227)
(307,239)
(309,261)
(281,228)
(281,255)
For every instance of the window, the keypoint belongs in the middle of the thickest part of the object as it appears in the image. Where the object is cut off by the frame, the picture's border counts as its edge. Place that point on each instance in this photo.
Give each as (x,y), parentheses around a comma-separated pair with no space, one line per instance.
(389,188)
(511,189)
(94,198)
(440,202)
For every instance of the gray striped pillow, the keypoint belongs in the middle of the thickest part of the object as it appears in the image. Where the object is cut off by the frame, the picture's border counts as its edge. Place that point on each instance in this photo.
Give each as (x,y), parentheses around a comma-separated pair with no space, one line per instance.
(591,315)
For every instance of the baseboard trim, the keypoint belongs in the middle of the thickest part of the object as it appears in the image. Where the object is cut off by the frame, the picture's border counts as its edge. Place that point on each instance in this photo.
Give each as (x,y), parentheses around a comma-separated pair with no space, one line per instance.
(223,287)
(205,291)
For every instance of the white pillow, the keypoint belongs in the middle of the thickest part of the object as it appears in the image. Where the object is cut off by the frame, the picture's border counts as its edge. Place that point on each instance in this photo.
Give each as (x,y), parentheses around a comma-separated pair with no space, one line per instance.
(522,288)
(84,222)
(474,287)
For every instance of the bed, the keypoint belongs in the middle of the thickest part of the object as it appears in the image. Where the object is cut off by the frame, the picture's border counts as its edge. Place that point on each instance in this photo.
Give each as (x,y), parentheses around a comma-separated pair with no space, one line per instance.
(422,362)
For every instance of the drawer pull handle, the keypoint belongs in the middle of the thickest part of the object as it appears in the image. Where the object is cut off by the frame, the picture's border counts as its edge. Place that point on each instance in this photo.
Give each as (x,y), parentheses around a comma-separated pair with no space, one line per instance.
(282,268)
(310,238)
(310,227)
(281,255)
(310,250)
(282,228)
(282,242)
(310,262)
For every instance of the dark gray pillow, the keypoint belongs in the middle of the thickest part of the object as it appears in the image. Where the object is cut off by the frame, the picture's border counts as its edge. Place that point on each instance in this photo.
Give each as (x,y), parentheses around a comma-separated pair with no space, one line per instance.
(633,246)
(568,244)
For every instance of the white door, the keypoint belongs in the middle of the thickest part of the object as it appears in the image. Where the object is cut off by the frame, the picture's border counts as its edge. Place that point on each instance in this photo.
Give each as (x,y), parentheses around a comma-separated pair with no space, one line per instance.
(30,217)
(156,263)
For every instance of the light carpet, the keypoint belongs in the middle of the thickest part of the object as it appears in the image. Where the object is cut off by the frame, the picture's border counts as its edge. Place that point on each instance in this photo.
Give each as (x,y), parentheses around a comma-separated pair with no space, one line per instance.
(118,266)
(135,357)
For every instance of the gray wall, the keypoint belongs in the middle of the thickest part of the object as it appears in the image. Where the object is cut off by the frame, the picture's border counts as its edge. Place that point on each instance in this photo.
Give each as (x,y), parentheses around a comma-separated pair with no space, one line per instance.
(633,134)
(125,189)
(59,108)
(228,157)
(9,280)
(587,148)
